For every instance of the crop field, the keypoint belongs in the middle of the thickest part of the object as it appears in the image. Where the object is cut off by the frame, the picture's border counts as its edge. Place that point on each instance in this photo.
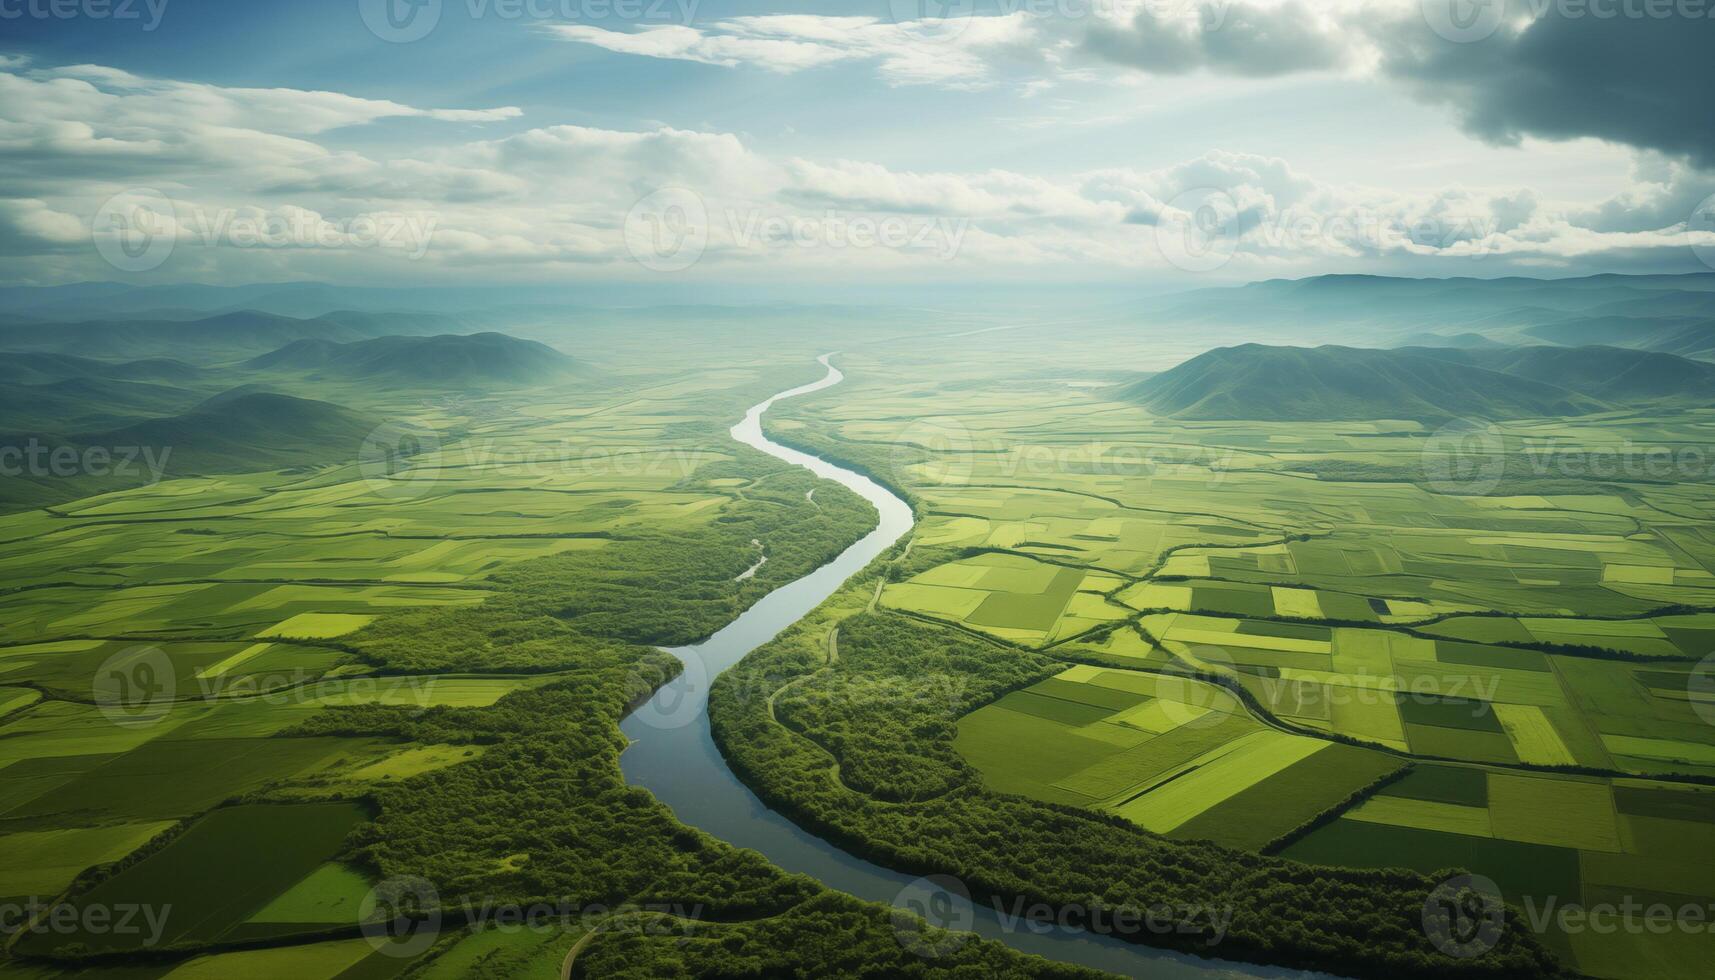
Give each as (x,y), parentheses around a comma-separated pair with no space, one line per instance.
(1531,654)
(1010,596)
(1245,643)
(1177,756)
(160,644)
(1542,838)
(225,867)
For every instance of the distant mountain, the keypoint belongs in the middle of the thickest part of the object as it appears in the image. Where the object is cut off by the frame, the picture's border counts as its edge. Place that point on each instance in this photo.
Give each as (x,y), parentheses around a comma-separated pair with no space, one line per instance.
(247,431)
(1255,381)
(482,358)
(1610,374)
(179,301)
(221,337)
(85,401)
(1365,309)
(1687,336)
(1462,340)
(186,301)
(235,432)
(37,368)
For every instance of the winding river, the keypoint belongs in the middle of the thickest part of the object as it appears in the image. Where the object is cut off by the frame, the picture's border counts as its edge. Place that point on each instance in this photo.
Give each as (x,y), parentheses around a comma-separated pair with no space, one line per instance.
(673,755)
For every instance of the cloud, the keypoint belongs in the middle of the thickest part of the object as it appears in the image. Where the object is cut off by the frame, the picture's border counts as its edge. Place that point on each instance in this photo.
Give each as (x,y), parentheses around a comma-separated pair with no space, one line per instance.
(103,123)
(789,43)
(690,44)
(1628,72)
(558,199)
(995,193)
(28,225)
(1638,80)
(1625,71)
(295,112)
(1249,39)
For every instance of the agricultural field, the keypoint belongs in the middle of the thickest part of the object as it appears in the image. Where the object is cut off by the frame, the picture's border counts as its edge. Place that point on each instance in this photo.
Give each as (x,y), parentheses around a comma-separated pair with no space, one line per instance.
(1179,757)
(1547,840)
(1288,639)
(165,649)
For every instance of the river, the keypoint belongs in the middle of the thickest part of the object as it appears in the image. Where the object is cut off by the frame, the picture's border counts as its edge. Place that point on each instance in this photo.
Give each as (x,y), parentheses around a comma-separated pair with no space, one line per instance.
(673,755)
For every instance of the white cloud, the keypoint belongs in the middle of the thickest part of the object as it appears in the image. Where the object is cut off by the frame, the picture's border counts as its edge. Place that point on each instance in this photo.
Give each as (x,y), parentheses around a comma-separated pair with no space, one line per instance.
(27,224)
(690,44)
(788,43)
(556,198)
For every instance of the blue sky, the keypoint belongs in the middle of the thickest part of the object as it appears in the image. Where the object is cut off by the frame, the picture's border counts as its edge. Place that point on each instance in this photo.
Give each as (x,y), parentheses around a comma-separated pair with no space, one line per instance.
(1025,140)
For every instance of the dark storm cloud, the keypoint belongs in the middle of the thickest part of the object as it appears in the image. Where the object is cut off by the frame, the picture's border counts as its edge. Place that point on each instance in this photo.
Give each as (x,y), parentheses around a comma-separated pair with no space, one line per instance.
(1637,72)
(1630,77)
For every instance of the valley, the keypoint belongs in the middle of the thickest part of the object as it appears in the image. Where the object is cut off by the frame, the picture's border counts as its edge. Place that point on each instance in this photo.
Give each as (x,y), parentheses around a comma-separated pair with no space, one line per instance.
(1272,680)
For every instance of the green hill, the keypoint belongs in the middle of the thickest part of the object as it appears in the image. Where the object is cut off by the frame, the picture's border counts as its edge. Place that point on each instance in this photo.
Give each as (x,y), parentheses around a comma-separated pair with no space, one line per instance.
(1611,374)
(1255,381)
(237,432)
(449,359)
(1687,336)
(39,368)
(248,431)
(84,401)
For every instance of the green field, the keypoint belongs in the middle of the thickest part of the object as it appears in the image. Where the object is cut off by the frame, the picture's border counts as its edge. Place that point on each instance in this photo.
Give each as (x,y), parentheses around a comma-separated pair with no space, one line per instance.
(220,871)
(1196,630)
(166,647)
(1493,639)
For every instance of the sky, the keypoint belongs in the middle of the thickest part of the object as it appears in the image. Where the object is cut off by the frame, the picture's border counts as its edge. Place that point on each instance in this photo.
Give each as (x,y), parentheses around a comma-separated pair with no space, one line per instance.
(1156,143)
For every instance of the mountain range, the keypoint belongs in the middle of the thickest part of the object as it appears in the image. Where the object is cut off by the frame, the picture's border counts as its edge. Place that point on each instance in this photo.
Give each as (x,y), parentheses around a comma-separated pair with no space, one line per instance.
(473,359)
(1256,381)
